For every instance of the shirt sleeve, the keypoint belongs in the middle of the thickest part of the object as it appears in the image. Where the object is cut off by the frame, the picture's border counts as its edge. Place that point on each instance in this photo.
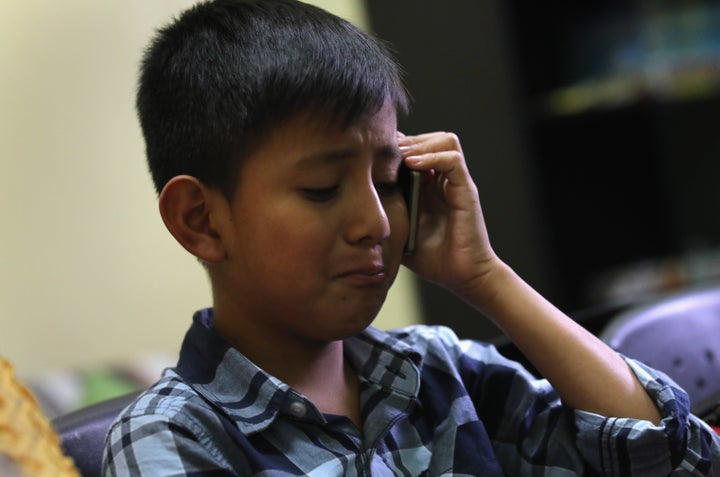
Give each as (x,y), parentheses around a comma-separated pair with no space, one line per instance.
(681,444)
(534,433)
(151,445)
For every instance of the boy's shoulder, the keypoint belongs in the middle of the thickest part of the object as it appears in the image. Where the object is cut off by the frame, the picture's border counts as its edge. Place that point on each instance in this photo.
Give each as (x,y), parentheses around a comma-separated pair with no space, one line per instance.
(438,346)
(424,339)
(166,422)
(169,403)
(417,334)
(169,397)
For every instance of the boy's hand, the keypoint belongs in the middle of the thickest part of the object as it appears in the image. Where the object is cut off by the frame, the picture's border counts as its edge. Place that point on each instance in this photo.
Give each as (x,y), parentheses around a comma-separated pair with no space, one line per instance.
(453,248)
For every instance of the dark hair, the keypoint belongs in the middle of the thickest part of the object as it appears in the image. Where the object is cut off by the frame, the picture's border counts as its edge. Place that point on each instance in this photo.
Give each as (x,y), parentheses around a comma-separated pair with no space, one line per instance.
(214,80)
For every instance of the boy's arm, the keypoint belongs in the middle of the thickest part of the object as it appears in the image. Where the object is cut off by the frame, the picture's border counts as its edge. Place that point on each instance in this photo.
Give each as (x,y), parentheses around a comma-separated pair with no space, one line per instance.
(454,251)
(585,372)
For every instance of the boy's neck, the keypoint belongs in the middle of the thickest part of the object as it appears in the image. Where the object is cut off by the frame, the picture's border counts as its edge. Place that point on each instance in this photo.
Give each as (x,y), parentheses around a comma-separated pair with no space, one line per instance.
(332,385)
(317,370)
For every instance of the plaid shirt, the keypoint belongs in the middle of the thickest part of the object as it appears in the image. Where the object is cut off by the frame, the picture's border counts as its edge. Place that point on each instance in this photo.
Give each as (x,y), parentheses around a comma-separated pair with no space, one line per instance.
(431,405)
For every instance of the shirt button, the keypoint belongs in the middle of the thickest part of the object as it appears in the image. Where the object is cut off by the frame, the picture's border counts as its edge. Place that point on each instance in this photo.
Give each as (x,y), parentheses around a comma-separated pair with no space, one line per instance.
(298,409)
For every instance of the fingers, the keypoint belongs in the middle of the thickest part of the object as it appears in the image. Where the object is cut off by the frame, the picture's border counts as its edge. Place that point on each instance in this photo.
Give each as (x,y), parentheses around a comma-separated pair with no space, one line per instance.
(439,152)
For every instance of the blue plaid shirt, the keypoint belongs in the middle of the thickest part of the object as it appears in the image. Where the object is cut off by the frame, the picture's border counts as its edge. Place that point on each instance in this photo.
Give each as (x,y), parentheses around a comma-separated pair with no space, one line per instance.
(432,405)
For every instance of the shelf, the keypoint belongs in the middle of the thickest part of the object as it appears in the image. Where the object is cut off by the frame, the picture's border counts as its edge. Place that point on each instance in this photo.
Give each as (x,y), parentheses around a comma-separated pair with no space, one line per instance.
(623,91)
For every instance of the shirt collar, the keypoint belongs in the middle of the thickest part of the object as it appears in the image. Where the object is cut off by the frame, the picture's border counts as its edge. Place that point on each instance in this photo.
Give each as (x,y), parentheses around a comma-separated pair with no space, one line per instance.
(253,398)
(382,359)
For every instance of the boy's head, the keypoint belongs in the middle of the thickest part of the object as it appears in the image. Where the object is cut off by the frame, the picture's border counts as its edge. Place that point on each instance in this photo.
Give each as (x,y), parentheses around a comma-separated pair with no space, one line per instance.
(215,81)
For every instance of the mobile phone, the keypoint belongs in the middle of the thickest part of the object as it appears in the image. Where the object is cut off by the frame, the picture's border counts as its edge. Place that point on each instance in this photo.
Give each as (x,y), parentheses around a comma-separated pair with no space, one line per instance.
(410,183)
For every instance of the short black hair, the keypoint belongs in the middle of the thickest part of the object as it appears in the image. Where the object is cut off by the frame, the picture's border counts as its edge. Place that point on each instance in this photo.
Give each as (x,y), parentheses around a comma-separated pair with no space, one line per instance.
(215,79)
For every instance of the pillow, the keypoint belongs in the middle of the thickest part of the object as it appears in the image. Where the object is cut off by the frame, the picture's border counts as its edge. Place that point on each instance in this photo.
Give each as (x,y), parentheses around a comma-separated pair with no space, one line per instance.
(29,446)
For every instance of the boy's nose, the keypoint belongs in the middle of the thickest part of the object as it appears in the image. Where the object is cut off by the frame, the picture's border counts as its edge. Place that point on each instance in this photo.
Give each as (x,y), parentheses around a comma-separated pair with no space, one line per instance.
(367,222)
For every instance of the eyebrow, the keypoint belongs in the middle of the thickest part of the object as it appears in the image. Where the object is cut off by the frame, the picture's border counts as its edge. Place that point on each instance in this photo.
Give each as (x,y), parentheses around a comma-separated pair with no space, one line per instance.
(389,153)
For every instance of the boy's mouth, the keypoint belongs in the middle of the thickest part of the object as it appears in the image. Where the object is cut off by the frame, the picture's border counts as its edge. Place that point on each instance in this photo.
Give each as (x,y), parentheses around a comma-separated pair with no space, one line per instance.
(370,275)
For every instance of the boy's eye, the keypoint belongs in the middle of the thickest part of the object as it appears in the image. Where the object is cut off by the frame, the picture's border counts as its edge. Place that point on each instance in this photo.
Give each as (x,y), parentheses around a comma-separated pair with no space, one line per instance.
(321,194)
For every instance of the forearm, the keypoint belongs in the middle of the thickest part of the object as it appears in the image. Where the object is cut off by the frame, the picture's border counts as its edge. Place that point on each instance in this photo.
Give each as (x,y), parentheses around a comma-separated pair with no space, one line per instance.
(586,373)
(455,251)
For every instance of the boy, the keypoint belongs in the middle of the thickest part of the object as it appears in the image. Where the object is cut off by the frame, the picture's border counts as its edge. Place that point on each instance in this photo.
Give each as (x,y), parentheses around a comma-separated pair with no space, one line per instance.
(272,139)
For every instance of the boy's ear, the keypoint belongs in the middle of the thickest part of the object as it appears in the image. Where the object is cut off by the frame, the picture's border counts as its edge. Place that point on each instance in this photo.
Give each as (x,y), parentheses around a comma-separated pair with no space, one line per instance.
(186,207)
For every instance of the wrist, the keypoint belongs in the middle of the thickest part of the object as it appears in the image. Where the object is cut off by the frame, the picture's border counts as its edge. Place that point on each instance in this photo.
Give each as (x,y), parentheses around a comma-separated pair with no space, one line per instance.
(484,289)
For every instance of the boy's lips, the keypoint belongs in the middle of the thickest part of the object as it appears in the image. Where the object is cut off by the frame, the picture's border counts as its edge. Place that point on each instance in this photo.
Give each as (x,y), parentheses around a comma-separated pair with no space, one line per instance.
(374,274)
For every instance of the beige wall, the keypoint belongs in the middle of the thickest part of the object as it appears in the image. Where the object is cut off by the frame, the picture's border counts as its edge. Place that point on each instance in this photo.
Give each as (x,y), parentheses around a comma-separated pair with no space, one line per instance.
(88,273)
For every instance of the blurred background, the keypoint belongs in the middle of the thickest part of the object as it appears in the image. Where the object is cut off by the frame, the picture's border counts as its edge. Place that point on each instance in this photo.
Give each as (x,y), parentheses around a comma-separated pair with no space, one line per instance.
(591,129)
(90,280)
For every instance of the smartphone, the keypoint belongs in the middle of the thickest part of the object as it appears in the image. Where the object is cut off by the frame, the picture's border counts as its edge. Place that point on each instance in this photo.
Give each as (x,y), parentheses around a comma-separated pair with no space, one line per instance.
(410,184)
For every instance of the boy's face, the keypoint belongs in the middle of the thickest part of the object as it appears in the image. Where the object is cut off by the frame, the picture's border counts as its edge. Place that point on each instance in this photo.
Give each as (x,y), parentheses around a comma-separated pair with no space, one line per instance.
(315,231)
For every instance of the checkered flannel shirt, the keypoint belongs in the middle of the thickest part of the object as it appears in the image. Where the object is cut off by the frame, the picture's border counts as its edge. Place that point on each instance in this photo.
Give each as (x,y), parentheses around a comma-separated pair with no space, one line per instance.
(432,405)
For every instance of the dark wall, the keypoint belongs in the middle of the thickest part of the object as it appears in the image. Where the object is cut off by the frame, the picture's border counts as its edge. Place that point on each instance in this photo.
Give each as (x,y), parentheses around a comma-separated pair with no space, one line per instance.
(570,196)
(459,72)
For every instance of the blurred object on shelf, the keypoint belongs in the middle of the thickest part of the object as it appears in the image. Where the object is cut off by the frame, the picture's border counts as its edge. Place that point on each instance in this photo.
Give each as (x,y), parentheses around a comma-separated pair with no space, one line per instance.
(658,52)
(636,281)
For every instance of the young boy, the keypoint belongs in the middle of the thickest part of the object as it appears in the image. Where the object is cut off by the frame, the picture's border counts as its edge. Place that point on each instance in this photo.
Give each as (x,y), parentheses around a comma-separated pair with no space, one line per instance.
(272,139)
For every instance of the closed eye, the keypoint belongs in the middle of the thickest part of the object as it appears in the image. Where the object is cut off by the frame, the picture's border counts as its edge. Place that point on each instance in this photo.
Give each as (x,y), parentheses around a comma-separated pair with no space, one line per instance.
(321,194)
